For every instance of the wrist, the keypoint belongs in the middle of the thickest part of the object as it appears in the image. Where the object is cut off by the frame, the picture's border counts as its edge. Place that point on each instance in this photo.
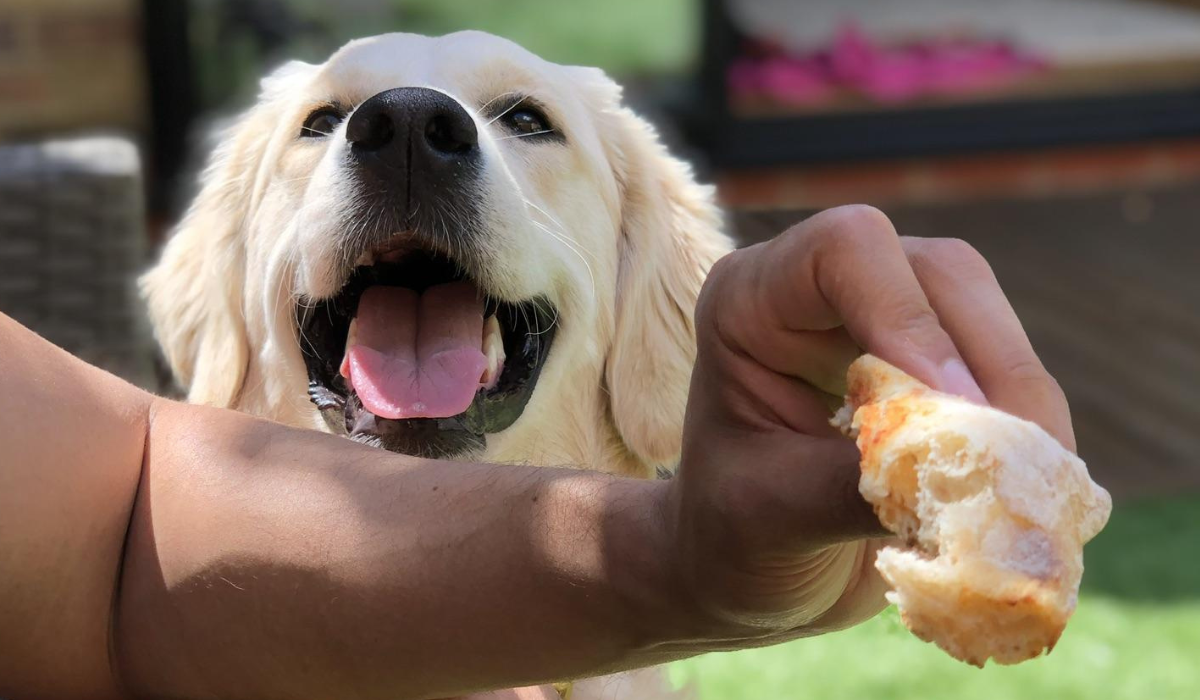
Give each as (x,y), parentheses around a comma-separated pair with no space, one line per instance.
(642,566)
(732,592)
(669,602)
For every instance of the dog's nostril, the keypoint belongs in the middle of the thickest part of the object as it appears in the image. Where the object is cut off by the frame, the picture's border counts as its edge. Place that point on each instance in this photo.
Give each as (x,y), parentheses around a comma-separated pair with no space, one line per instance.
(371,133)
(447,135)
(406,127)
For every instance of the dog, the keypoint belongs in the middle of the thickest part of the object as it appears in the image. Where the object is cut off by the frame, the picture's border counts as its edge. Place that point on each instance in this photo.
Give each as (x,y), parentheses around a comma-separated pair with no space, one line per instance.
(445,247)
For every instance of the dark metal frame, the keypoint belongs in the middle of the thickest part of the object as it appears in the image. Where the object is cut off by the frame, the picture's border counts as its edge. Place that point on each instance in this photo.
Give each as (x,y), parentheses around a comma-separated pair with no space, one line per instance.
(733,142)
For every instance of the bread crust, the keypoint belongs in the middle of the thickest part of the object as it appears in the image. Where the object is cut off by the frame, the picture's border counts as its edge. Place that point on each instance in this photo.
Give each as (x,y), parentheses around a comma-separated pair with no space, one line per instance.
(992,512)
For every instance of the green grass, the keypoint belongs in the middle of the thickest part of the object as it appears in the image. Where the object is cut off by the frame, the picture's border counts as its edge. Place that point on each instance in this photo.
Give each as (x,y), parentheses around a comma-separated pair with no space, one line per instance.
(1135,636)
(622,36)
(625,37)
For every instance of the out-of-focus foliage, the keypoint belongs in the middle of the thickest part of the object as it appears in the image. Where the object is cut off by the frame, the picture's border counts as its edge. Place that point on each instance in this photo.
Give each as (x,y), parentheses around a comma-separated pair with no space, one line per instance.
(236,40)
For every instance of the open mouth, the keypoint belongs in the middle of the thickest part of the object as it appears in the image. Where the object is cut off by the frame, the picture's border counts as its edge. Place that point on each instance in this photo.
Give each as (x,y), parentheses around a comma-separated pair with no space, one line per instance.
(414,356)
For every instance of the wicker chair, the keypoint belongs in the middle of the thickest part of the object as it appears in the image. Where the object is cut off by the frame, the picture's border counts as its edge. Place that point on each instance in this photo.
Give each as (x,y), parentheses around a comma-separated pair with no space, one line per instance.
(72,240)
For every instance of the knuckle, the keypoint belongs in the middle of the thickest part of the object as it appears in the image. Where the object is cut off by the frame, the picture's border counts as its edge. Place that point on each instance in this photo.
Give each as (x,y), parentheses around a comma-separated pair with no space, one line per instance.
(716,280)
(721,268)
(1027,369)
(724,298)
(1058,395)
(915,326)
(862,216)
(913,318)
(1055,390)
(952,256)
(1029,373)
(854,225)
(1027,377)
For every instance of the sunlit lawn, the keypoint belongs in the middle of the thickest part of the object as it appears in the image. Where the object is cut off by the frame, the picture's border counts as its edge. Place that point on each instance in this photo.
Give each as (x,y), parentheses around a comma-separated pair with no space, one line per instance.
(622,36)
(1135,636)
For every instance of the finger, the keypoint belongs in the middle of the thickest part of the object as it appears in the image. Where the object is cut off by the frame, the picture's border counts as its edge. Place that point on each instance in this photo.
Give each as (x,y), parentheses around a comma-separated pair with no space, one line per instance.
(806,489)
(829,507)
(971,306)
(820,358)
(845,267)
(786,400)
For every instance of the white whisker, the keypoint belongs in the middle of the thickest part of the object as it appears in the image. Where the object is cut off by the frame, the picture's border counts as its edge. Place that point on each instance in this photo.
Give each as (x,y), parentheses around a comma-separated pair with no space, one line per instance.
(497,97)
(544,213)
(510,108)
(532,133)
(574,248)
(554,321)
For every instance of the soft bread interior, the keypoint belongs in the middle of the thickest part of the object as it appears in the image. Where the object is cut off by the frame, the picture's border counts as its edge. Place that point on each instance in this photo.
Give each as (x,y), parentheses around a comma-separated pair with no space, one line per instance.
(992,511)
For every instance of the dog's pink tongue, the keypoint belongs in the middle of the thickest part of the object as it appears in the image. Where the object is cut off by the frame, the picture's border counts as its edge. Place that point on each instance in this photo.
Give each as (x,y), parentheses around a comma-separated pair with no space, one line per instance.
(417,355)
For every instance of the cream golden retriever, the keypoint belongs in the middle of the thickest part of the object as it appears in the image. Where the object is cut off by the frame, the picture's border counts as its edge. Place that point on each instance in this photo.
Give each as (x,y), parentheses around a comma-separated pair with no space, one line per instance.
(445,247)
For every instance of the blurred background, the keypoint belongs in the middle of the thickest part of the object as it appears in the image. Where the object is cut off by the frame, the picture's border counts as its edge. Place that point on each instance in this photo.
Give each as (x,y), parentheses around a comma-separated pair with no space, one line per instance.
(1060,137)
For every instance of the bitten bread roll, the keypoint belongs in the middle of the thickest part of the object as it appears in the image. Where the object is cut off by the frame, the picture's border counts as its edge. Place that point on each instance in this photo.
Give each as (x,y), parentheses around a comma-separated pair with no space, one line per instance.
(993,511)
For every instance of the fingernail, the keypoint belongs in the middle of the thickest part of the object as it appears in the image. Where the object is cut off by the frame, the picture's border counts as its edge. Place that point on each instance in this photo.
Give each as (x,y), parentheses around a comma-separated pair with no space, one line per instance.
(957,380)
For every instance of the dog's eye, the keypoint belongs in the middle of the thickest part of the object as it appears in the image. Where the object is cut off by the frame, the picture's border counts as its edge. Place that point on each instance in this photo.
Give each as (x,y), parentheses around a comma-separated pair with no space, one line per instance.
(321,122)
(526,121)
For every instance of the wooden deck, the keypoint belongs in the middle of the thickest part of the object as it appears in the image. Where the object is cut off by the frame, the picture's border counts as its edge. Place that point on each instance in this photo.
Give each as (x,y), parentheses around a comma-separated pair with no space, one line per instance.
(1108,287)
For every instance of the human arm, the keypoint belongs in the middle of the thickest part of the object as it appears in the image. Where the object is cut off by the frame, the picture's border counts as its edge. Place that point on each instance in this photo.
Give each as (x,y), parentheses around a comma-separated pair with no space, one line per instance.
(263,561)
(166,550)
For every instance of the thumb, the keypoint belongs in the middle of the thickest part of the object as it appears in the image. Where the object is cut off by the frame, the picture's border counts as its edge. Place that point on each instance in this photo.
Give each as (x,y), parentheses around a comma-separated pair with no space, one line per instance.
(788,493)
(818,485)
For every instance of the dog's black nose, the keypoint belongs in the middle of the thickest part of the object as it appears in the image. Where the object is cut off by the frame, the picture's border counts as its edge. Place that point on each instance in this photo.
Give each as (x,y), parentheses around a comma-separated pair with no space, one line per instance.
(410,129)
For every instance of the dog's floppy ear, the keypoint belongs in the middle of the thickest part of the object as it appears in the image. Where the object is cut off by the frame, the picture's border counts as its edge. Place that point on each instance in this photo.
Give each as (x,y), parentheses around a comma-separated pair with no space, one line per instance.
(670,236)
(194,293)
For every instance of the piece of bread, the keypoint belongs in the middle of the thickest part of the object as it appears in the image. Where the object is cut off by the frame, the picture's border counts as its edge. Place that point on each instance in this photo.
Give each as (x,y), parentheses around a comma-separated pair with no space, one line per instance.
(993,511)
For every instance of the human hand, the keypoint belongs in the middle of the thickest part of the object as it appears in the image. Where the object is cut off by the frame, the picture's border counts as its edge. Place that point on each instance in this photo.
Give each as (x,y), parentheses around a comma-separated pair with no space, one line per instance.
(772,537)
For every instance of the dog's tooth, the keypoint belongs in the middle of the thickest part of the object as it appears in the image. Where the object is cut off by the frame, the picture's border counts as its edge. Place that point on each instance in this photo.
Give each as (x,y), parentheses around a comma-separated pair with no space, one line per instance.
(490,306)
(366,259)
(352,334)
(351,339)
(493,348)
(491,335)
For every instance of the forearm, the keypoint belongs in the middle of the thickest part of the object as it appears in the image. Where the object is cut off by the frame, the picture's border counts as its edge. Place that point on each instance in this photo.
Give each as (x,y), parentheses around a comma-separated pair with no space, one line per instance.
(71,439)
(270,561)
(248,559)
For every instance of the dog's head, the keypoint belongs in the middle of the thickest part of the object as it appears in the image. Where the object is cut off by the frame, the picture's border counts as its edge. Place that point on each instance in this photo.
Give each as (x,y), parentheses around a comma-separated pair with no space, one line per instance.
(452,245)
